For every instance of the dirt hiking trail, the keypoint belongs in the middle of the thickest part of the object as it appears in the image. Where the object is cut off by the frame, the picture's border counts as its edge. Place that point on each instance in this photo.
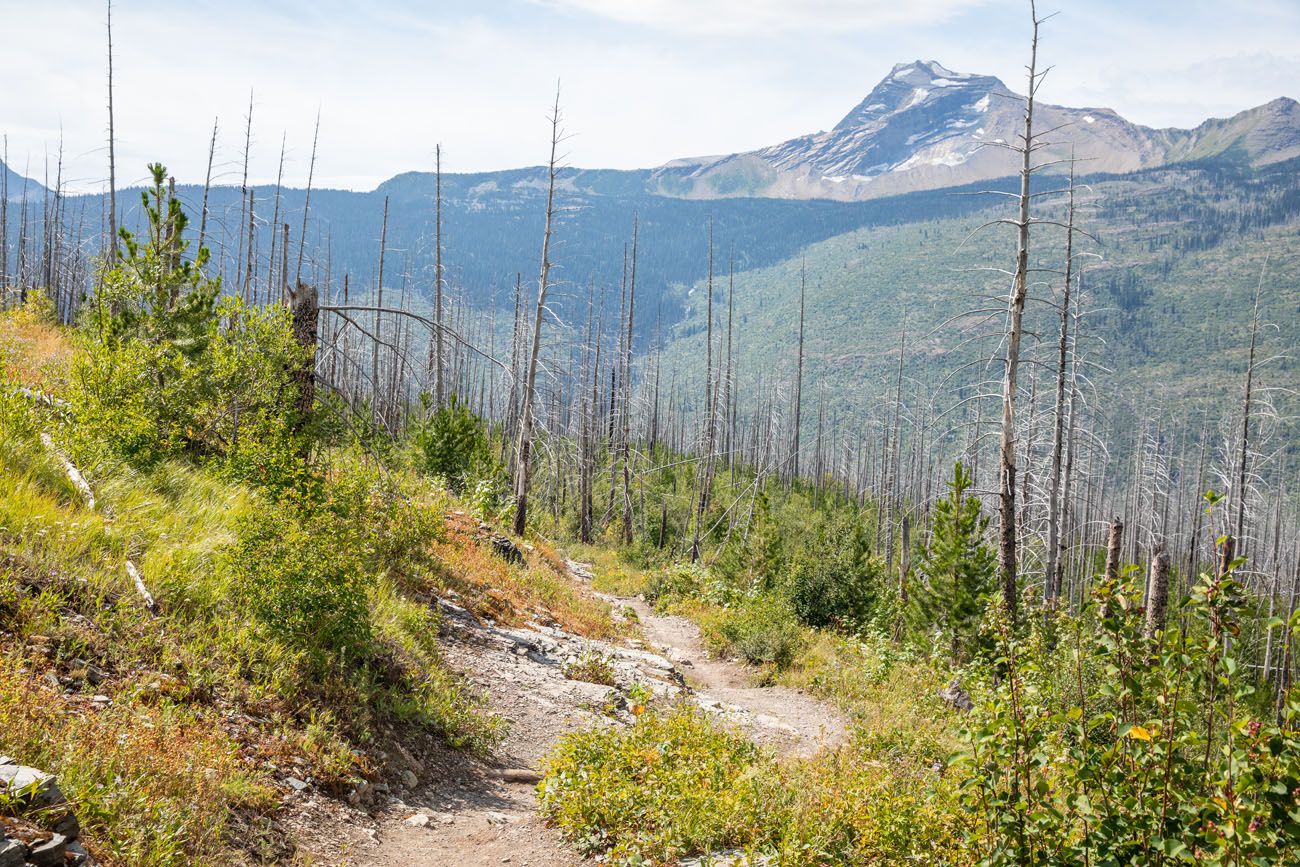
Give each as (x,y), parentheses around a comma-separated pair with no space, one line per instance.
(451,810)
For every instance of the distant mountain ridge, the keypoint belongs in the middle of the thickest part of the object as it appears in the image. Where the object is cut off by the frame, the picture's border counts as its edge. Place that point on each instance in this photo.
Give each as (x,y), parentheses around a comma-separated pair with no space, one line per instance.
(926,127)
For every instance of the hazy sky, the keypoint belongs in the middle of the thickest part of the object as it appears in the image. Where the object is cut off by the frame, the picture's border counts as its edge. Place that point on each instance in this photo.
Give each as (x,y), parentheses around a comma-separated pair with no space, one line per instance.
(643,81)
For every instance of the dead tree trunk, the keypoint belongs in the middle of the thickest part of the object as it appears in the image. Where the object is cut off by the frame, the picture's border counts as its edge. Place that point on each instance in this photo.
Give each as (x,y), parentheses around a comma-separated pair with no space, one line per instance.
(1157,594)
(1114,544)
(1053,588)
(4,220)
(1015,314)
(375,410)
(306,203)
(436,348)
(525,442)
(706,471)
(207,186)
(112,148)
(627,395)
(793,471)
(1244,454)
(306,316)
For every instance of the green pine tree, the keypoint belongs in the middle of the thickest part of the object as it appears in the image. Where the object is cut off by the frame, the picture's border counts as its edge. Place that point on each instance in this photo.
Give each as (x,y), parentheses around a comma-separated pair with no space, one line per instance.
(958,569)
(153,292)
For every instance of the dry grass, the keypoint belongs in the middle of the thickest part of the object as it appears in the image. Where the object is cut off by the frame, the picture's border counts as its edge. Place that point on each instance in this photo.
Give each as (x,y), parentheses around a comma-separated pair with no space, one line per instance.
(36,352)
(541,588)
(142,776)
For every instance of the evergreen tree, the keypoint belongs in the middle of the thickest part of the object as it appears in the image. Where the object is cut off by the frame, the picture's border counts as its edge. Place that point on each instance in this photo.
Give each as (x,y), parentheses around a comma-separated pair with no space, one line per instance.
(958,569)
(153,292)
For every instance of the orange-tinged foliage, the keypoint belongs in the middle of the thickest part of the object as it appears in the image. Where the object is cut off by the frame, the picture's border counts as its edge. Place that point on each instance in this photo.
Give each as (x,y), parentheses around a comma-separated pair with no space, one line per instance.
(131,770)
(541,588)
(35,350)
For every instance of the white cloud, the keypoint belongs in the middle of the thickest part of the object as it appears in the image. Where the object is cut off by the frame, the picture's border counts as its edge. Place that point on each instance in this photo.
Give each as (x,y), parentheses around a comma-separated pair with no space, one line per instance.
(769,17)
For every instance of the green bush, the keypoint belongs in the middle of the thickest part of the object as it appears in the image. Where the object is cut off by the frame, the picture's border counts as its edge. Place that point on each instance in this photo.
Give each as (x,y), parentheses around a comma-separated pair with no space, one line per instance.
(671,785)
(300,577)
(957,572)
(165,369)
(677,582)
(836,582)
(453,444)
(591,667)
(1159,755)
(762,631)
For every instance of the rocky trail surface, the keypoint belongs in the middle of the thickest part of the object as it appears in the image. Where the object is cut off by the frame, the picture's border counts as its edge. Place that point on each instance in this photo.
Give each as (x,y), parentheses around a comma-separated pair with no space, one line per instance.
(450,809)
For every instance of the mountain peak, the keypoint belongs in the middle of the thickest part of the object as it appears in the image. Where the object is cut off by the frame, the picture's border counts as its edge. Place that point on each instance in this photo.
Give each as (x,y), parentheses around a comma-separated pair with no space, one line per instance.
(920,82)
(925,126)
(921,71)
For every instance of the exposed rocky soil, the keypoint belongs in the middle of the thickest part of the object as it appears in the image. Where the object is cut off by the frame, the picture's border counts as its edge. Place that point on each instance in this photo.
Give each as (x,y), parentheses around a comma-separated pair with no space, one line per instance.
(449,809)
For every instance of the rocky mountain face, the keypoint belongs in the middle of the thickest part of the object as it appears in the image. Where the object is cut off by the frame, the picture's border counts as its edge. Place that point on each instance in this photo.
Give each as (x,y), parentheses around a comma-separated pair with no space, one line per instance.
(927,127)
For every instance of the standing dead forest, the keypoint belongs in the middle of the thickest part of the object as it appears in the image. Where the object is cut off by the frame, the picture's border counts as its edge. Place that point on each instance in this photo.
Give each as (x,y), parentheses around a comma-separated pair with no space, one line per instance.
(259,481)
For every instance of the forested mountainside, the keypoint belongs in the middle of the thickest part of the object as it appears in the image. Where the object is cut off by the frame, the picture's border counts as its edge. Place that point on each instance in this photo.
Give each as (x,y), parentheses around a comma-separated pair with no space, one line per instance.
(1167,284)
(491,225)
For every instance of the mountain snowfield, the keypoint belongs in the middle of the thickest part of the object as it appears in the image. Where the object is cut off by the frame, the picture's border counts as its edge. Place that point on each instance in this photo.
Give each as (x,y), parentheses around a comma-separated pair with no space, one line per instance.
(926,127)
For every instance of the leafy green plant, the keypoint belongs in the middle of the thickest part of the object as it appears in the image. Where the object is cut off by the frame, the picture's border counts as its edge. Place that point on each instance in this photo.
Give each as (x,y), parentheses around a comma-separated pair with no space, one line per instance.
(297,575)
(763,631)
(675,583)
(957,571)
(837,581)
(453,444)
(591,667)
(671,785)
(166,370)
(1156,760)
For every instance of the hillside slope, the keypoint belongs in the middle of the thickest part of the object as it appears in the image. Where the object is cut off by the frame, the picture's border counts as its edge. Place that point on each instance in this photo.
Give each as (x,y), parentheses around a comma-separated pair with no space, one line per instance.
(1168,285)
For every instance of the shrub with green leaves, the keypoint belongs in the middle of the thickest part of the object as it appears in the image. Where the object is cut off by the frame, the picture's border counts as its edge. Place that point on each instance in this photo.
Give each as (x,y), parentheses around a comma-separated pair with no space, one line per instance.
(166,369)
(673,784)
(1162,758)
(675,583)
(836,581)
(301,578)
(453,443)
(763,631)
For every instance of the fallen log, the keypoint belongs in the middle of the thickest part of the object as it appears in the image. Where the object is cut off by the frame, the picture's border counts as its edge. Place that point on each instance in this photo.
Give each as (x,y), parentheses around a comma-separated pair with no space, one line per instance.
(74,474)
(140,587)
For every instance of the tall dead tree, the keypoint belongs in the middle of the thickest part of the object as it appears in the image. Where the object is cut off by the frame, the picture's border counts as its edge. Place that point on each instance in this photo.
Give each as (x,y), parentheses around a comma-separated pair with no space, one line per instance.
(1052,587)
(729,380)
(378,333)
(306,204)
(1243,456)
(627,395)
(798,376)
(244,192)
(275,223)
(436,354)
(4,217)
(207,185)
(112,147)
(248,271)
(523,448)
(1007,534)
(706,472)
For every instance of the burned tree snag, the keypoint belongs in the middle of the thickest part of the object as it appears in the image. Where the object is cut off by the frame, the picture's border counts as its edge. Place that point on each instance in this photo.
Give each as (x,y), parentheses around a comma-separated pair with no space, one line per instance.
(306,317)
(1157,594)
